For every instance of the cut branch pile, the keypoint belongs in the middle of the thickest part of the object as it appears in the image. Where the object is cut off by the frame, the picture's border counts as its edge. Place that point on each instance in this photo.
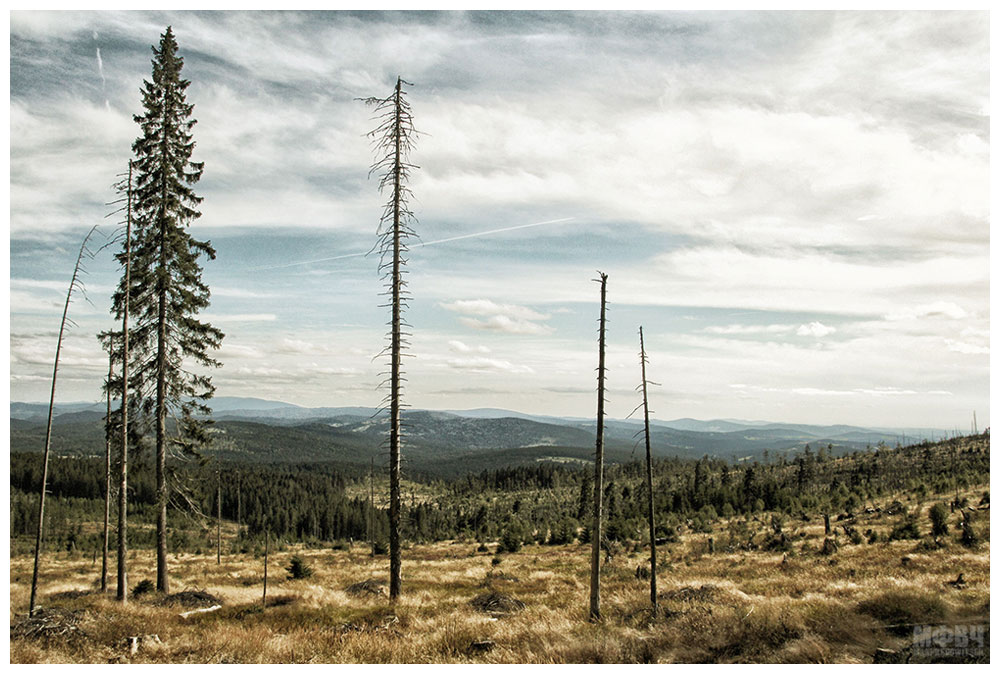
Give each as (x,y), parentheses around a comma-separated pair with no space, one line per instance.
(48,623)
(370,586)
(497,603)
(691,593)
(191,599)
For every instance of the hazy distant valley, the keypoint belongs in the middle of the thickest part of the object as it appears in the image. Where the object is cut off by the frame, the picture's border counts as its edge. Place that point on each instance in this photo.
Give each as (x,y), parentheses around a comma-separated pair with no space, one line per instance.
(450,443)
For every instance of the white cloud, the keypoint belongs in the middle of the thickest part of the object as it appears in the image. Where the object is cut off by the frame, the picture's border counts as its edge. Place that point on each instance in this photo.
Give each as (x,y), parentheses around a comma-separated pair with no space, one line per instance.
(963,347)
(488,365)
(932,310)
(815,329)
(737,329)
(508,318)
(462,347)
(225,319)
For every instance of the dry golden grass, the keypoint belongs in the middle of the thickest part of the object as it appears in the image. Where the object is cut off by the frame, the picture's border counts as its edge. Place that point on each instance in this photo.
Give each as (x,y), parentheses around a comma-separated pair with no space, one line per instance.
(725,607)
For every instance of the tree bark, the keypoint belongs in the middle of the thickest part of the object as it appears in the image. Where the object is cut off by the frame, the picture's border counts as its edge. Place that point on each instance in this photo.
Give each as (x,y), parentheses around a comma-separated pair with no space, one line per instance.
(395,561)
(107,471)
(122,590)
(162,581)
(218,518)
(595,553)
(48,426)
(267,549)
(649,480)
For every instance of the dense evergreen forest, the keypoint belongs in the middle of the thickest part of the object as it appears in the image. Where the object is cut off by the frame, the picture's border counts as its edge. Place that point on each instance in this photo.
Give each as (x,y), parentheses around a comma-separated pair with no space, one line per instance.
(321,504)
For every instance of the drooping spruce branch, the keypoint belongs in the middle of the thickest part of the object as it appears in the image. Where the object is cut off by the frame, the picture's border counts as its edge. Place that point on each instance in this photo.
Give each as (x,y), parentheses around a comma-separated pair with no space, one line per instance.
(74,284)
(392,141)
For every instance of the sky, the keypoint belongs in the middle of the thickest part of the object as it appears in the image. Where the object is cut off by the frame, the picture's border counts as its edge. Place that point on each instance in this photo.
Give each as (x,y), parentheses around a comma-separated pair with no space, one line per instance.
(794,206)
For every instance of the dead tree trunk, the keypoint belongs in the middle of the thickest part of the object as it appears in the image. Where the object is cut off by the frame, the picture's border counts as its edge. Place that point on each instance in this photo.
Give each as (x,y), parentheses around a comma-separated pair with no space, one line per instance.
(108,430)
(371,508)
(239,506)
(73,285)
(218,517)
(595,540)
(393,141)
(267,549)
(649,479)
(122,590)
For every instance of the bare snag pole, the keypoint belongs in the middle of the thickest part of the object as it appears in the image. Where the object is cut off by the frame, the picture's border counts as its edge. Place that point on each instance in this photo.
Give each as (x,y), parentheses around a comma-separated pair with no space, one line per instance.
(267,548)
(392,140)
(108,429)
(218,517)
(73,285)
(122,590)
(595,534)
(649,479)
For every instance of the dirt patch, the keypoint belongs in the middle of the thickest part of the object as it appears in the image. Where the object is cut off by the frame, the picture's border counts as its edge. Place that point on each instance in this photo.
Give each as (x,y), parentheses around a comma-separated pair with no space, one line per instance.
(497,603)
(366,587)
(191,599)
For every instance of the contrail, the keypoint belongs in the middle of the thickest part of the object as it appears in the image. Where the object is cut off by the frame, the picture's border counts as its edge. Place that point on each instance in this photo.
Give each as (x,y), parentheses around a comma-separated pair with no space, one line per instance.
(421,244)
(100,70)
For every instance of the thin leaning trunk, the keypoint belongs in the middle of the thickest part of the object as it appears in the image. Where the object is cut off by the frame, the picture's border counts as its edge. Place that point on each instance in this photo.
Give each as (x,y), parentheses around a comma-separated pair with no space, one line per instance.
(122,590)
(595,552)
(649,480)
(73,284)
(107,473)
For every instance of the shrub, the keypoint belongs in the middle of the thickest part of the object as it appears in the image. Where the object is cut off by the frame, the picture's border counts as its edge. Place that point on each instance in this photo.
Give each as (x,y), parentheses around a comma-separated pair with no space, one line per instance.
(510,540)
(898,611)
(906,529)
(939,520)
(144,587)
(298,568)
(970,537)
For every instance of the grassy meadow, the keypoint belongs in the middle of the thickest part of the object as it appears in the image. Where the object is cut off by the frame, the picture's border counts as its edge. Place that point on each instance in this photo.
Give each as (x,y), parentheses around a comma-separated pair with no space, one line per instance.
(745,606)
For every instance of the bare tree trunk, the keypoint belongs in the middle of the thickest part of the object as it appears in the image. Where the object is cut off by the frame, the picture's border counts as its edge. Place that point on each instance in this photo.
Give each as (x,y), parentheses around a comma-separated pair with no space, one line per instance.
(107,471)
(595,553)
(392,140)
(239,504)
(73,284)
(649,480)
(218,518)
(122,591)
(162,581)
(395,561)
(267,549)
(371,508)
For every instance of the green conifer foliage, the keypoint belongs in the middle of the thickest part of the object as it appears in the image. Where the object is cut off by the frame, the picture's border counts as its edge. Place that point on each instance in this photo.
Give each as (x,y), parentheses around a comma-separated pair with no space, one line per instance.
(167,290)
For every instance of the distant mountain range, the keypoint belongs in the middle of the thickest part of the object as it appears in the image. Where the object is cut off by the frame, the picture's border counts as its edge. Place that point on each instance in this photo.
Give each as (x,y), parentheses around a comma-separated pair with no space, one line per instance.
(452,442)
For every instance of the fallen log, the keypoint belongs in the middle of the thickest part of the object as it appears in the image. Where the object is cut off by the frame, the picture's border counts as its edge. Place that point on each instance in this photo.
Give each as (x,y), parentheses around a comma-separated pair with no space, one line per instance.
(188,614)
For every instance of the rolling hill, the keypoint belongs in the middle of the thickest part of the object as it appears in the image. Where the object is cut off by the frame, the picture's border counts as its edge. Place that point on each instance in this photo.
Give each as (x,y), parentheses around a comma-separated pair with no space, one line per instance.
(443,443)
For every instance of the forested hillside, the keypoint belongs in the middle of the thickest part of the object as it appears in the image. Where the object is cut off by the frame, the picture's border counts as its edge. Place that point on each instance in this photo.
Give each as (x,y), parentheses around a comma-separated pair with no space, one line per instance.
(543,502)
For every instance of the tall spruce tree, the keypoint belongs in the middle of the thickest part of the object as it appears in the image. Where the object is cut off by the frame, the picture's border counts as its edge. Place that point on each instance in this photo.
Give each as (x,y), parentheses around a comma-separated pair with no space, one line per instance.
(166,290)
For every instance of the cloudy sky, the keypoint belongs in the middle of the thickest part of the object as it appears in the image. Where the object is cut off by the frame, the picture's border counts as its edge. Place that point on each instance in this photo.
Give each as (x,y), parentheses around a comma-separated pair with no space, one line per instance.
(794,206)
